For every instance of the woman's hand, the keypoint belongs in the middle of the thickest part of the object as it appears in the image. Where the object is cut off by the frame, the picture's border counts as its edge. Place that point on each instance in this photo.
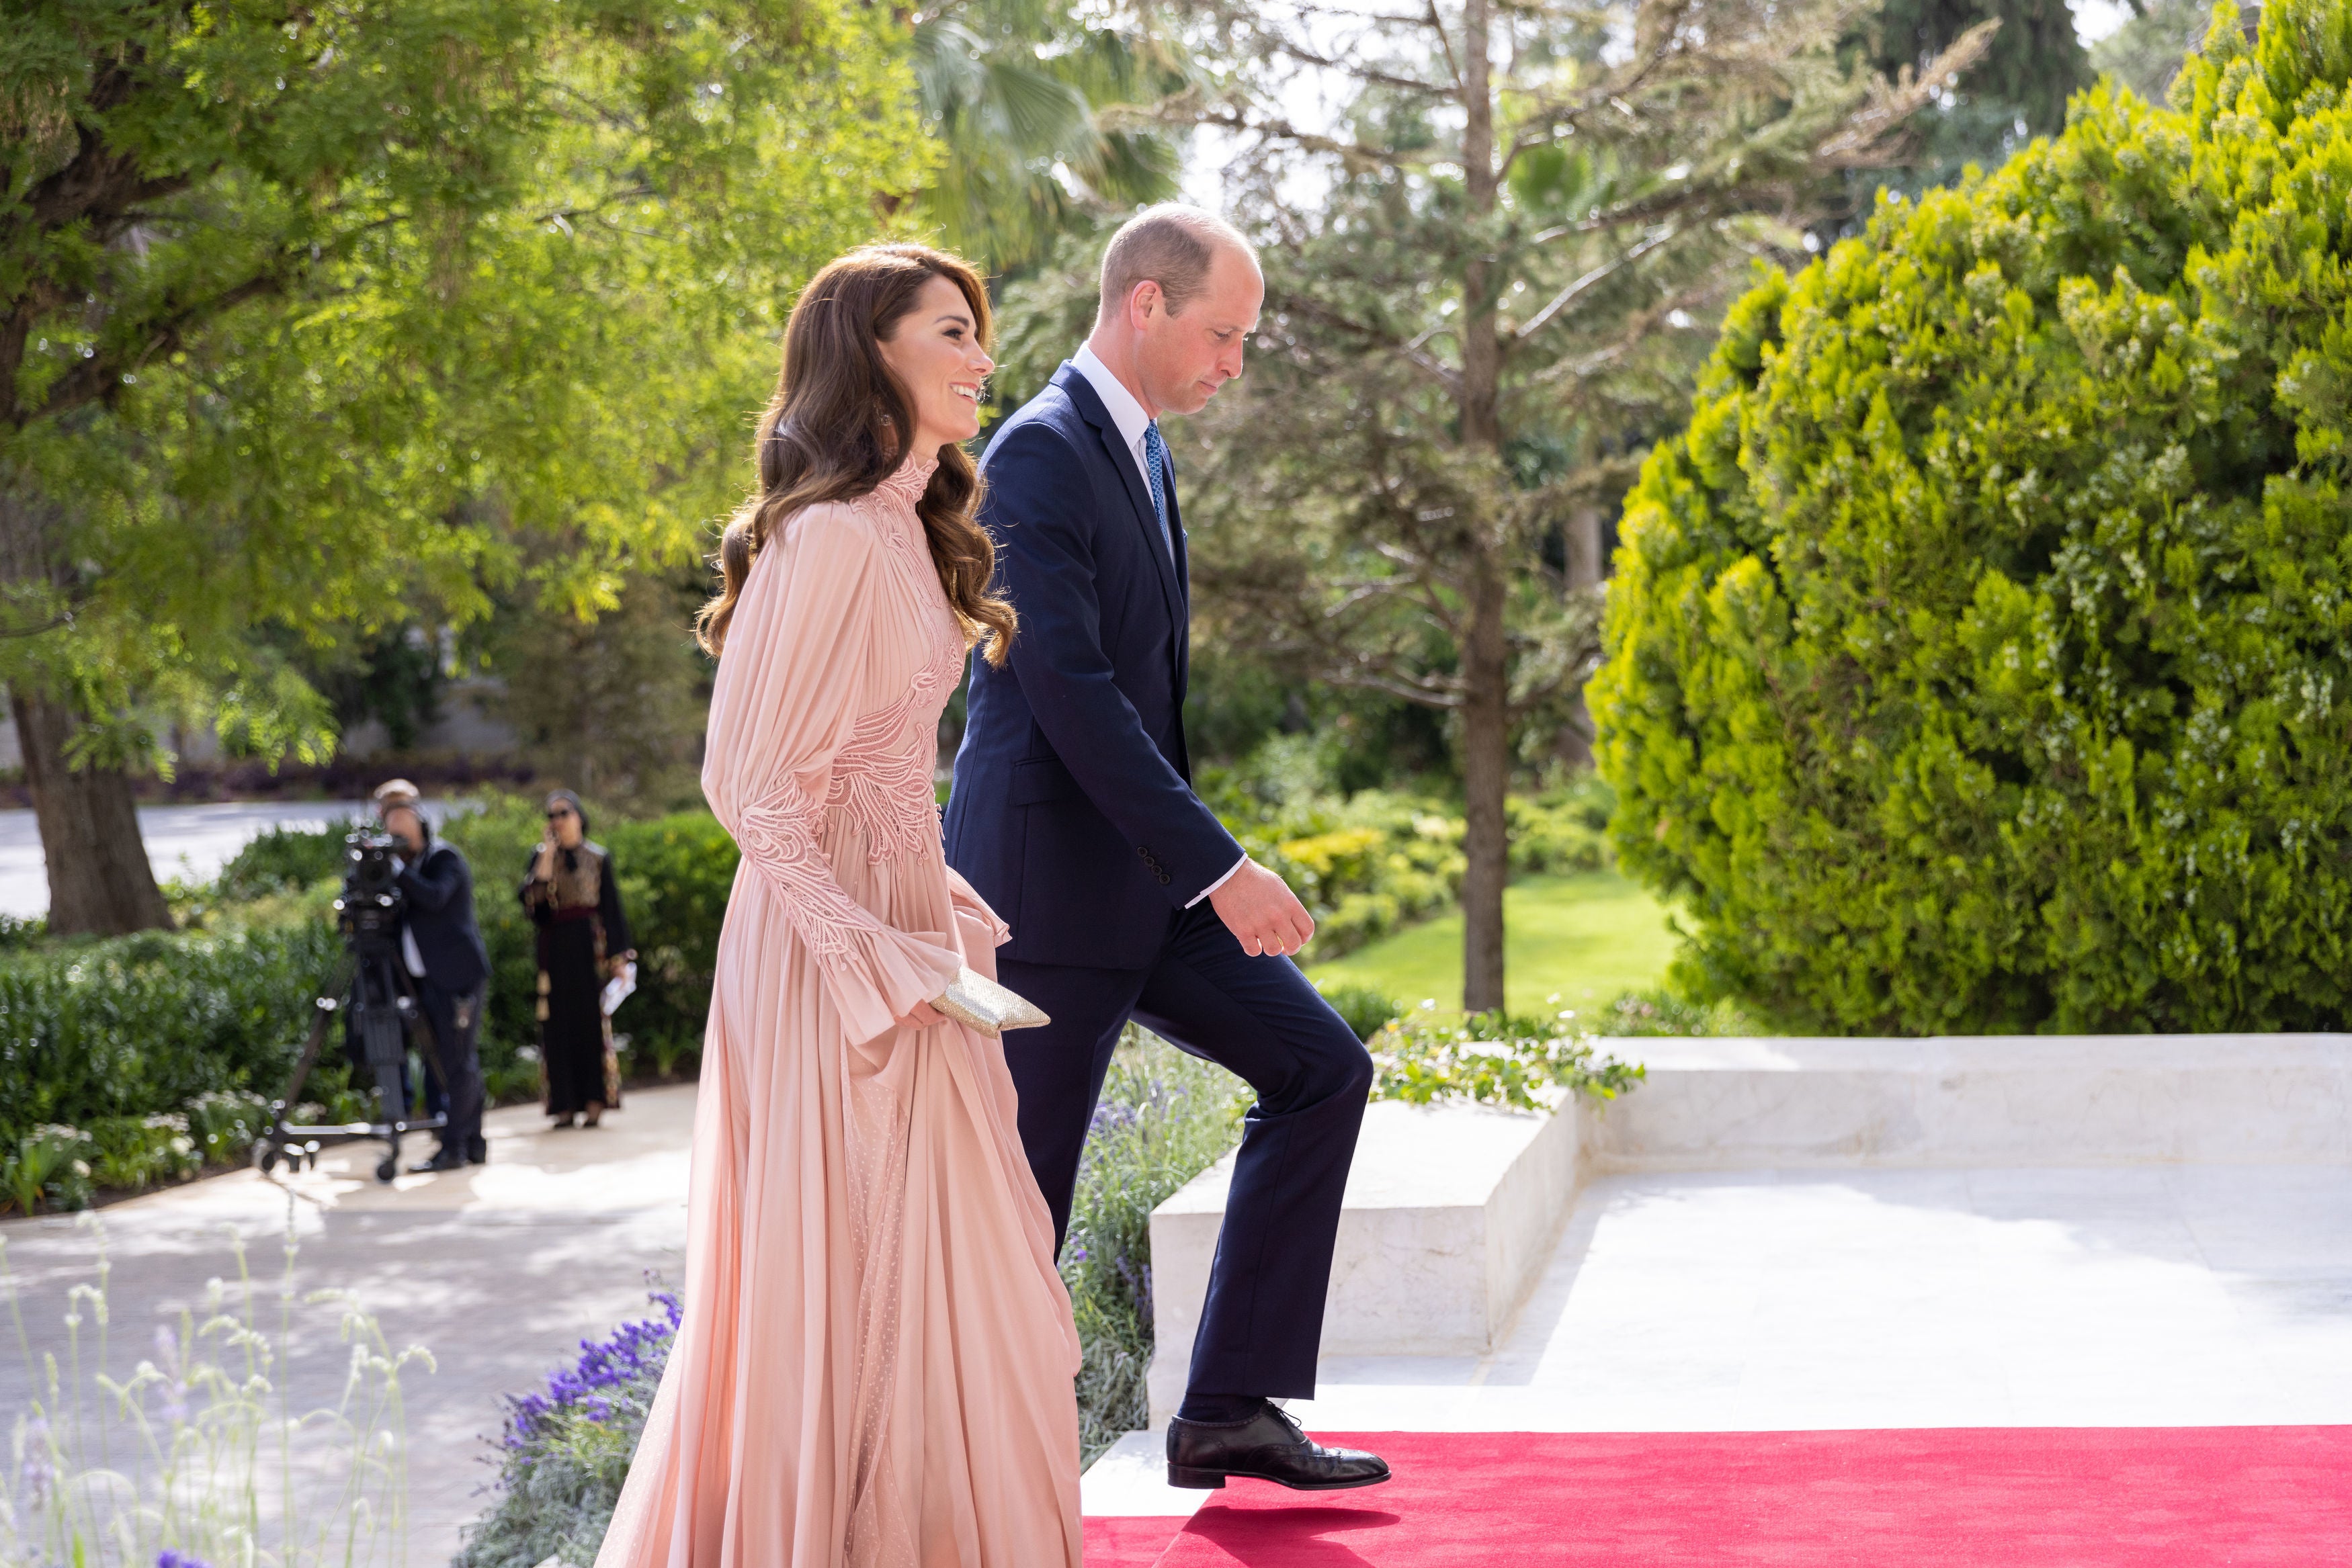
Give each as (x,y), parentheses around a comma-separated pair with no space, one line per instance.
(922,1015)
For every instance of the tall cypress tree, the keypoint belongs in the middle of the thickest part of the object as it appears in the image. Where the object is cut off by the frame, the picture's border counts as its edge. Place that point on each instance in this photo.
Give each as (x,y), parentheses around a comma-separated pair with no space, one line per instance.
(2017,91)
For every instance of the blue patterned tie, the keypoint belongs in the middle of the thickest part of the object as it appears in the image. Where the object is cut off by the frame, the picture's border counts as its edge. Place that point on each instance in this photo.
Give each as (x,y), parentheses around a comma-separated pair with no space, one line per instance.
(1155,454)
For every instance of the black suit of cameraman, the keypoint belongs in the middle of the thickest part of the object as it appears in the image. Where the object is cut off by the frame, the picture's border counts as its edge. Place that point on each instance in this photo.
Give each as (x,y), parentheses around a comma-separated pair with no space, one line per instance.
(441,945)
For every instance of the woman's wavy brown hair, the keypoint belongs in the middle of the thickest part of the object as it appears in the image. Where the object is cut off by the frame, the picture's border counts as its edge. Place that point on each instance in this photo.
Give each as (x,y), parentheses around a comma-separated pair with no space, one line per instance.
(831,434)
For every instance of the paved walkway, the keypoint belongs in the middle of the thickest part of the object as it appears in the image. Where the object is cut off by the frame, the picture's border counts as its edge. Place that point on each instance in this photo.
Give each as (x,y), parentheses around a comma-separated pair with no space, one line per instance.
(499,1271)
(1760,1301)
(192,842)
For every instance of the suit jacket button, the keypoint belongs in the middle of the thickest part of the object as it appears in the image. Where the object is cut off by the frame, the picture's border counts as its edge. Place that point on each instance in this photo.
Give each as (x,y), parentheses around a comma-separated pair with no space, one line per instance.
(1142,852)
(1163,879)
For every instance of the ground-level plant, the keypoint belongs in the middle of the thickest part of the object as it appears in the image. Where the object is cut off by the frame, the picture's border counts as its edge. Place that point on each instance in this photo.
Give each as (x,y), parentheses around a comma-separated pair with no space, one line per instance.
(199,1454)
(567,1450)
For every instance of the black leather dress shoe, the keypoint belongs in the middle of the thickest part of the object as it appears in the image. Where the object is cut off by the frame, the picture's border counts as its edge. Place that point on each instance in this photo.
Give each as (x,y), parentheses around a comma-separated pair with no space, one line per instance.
(478,1153)
(1268,1447)
(447,1160)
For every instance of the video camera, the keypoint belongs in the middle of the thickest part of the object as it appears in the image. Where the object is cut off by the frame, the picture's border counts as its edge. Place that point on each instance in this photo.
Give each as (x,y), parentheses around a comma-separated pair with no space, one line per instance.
(373,994)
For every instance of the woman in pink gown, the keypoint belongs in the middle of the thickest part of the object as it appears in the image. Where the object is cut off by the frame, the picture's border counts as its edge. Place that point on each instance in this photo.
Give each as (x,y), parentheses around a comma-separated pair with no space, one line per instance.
(875,1365)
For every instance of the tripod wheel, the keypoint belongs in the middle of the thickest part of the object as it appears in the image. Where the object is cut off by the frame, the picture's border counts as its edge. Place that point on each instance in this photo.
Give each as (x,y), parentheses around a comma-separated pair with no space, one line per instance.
(265,1158)
(387,1167)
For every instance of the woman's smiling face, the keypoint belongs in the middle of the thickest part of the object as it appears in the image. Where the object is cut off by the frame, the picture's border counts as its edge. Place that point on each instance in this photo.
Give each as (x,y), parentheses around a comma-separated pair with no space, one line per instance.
(935,353)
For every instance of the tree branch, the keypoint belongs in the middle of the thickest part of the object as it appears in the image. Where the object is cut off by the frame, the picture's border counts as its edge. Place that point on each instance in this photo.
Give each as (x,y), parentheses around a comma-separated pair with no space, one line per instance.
(1569,295)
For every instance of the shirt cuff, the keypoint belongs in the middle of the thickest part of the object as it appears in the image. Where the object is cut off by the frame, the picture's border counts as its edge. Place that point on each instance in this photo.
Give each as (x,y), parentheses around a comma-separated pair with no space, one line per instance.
(1216,885)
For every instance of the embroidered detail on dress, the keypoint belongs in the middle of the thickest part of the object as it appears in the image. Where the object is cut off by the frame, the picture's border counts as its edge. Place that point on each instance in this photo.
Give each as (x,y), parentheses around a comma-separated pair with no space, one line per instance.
(779,836)
(881,778)
(907,483)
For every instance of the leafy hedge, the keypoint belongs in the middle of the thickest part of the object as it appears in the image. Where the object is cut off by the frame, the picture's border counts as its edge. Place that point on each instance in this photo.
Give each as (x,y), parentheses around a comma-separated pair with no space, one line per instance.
(1981,658)
(150,1023)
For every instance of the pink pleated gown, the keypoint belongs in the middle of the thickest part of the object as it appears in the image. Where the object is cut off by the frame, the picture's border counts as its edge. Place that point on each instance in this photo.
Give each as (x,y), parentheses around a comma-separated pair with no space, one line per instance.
(875,1365)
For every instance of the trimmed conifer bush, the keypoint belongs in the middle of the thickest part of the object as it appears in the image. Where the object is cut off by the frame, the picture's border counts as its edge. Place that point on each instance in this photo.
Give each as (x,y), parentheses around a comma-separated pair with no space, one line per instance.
(1978,660)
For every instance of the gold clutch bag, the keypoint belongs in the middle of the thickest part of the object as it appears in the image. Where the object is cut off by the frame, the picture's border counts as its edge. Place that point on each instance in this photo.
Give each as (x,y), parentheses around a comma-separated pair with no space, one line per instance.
(978,1002)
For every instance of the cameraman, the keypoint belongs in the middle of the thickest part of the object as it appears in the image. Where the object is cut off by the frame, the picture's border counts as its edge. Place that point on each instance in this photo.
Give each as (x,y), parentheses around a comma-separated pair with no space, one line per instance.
(442,947)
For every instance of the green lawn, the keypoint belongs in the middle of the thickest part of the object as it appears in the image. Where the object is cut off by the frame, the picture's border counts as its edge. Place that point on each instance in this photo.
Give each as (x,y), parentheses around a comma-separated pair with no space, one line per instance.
(1586,937)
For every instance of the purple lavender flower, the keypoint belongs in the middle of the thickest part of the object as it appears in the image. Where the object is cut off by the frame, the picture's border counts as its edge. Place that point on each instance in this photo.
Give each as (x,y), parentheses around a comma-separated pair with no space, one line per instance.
(628,1361)
(172,1559)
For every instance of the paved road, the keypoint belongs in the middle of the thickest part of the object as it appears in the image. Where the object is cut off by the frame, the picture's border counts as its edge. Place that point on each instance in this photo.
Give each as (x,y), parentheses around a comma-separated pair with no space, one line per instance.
(498,1271)
(192,842)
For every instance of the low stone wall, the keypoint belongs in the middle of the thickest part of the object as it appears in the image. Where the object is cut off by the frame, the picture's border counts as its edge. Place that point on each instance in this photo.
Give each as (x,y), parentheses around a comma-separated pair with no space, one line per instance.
(1452,1210)
(1999,1100)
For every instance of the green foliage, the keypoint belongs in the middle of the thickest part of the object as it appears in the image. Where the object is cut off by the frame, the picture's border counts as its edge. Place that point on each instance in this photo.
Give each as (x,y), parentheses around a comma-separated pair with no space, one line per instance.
(1011,89)
(1979,659)
(50,1167)
(1365,1009)
(225,1122)
(129,1154)
(321,323)
(147,1024)
(1371,863)
(283,860)
(1493,1059)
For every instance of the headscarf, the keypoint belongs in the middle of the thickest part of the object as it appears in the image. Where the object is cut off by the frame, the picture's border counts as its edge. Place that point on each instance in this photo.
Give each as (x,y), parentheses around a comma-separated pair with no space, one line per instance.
(578,811)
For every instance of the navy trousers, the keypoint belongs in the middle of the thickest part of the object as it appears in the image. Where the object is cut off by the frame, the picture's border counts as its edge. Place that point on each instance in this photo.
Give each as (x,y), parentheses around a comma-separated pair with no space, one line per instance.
(1260,1019)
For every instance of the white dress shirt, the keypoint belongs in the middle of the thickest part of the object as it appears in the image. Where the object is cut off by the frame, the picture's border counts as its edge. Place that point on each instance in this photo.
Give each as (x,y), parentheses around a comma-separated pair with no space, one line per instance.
(1128,414)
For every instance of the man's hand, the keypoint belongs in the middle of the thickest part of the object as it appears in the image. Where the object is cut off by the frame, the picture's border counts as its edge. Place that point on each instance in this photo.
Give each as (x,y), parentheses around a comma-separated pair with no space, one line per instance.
(1262,913)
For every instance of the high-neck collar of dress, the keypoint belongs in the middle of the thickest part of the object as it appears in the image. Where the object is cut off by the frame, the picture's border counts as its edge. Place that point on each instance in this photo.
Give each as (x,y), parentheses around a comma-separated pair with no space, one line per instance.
(906,483)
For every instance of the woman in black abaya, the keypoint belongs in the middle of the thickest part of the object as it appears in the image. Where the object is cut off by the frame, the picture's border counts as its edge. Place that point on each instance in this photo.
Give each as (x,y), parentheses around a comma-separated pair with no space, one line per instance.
(571,896)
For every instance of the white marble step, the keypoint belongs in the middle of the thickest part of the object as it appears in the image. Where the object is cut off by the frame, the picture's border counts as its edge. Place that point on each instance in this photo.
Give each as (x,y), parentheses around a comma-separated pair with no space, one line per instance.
(1451,1211)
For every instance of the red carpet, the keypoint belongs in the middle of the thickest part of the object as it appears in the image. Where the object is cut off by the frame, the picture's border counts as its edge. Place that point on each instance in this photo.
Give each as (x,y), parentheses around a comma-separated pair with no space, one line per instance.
(2008,1498)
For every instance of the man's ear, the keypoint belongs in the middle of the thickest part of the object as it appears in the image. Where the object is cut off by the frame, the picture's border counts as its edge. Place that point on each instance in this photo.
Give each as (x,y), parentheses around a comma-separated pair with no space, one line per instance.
(1140,304)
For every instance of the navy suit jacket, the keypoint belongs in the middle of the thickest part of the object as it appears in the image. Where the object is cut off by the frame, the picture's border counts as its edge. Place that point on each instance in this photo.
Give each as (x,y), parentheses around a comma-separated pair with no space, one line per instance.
(1073,810)
(440,914)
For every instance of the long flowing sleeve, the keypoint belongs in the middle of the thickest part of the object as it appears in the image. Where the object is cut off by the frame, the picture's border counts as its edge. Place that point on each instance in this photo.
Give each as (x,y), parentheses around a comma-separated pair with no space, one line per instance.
(785,702)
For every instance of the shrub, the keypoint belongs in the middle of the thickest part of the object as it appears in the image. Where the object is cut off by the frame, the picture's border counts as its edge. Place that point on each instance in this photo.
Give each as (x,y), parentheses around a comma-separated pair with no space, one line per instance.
(130,1028)
(567,1450)
(1979,659)
(129,1154)
(1375,862)
(283,860)
(50,1167)
(1364,1008)
(1493,1059)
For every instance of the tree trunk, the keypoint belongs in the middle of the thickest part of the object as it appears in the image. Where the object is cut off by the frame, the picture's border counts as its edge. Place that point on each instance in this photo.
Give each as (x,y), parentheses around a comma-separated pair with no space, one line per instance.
(99,881)
(1485,783)
(1485,660)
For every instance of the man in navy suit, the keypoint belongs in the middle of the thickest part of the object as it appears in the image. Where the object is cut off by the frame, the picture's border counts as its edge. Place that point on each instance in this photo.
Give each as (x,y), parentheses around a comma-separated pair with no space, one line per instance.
(1074,814)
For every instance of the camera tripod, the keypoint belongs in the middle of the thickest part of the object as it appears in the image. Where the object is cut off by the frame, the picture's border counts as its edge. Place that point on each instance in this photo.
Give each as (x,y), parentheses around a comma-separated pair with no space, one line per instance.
(372,988)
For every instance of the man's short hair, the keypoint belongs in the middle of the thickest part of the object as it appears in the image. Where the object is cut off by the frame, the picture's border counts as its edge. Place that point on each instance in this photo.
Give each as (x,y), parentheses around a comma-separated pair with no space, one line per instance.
(1170,245)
